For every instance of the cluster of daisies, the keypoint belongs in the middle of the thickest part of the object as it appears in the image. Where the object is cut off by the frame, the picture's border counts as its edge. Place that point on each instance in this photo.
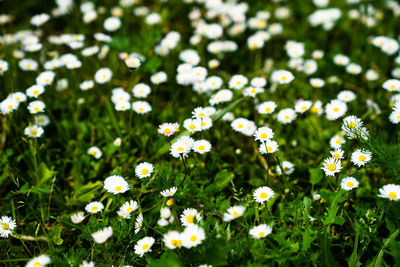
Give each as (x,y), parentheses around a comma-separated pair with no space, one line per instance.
(217,26)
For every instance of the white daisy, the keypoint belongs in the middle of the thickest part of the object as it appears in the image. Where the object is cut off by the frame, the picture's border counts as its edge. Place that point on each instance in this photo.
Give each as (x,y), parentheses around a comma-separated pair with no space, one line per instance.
(348,183)
(390,191)
(144,170)
(361,157)
(77,217)
(7,226)
(263,194)
(234,213)
(41,260)
(102,235)
(193,236)
(144,245)
(332,166)
(260,231)
(116,184)
(190,216)
(201,146)
(94,207)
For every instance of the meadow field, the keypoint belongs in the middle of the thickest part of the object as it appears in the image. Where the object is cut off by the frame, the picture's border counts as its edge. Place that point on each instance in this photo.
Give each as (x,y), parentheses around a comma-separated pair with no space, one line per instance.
(169,133)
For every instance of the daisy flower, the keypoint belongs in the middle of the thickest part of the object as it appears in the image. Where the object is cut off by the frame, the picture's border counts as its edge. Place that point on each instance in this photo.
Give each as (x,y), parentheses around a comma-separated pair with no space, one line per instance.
(35,91)
(116,184)
(132,62)
(263,134)
(94,207)
(233,213)
(286,115)
(237,82)
(168,129)
(288,168)
(7,226)
(138,223)
(41,260)
(36,107)
(8,105)
(180,148)
(144,245)
(193,236)
(260,231)
(42,120)
(348,183)
(302,106)
(141,90)
(337,153)
(361,157)
(335,109)
(351,124)
(127,208)
(169,192)
(336,141)
(144,170)
(332,166)
(263,194)
(95,152)
(390,191)
(102,235)
(33,131)
(173,239)
(87,264)
(192,125)
(78,217)
(189,215)
(201,146)
(266,107)
(269,146)
(117,142)
(282,77)
(141,107)
(103,75)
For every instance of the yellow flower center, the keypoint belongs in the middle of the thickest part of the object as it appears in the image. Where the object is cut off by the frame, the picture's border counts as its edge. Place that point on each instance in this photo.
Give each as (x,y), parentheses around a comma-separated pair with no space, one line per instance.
(145,171)
(287,117)
(268,109)
(352,124)
(170,202)
(261,234)
(269,148)
(118,188)
(180,149)
(35,92)
(36,264)
(240,126)
(338,141)
(392,195)
(173,242)
(283,78)
(336,155)
(235,213)
(167,131)
(264,135)
(192,127)
(201,114)
(129,209)
(190,219)
(145,246)
(332,167)
(10,106)
(193,238)
(201,148)
(141,109)
(94,208)
(5,226)
(263,195)
(36,109)
(336,109)
(361,157)
(33,131)
(178,243)
(303,108)
(350,184)
(238,82)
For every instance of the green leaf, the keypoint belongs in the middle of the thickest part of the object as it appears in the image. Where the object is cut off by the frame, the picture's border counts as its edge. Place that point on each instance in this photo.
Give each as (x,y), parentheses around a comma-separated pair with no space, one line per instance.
(167,259)
(326,255)
(223,178)
(44,173)
(55,235)
(379,258)
(316,176)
